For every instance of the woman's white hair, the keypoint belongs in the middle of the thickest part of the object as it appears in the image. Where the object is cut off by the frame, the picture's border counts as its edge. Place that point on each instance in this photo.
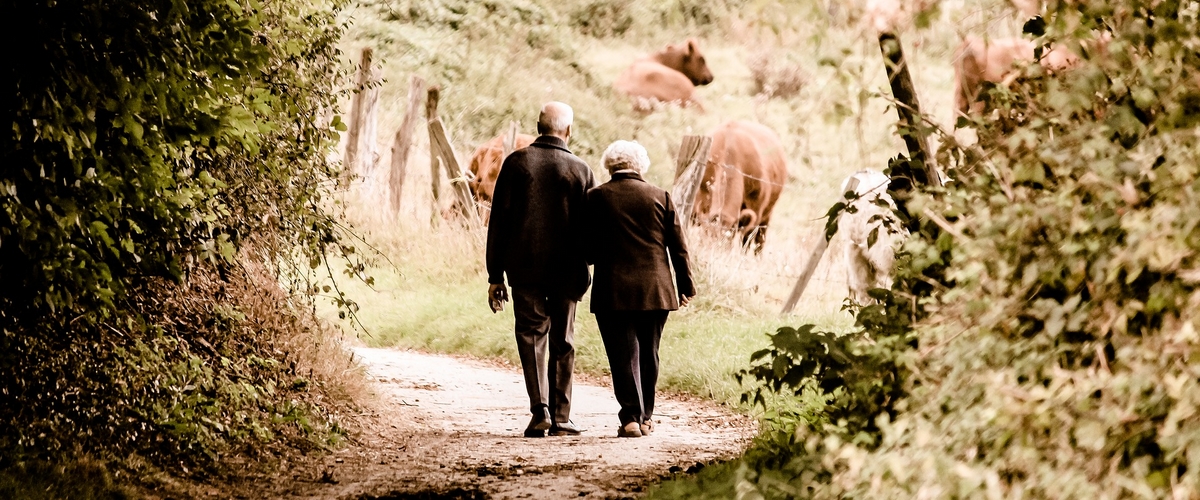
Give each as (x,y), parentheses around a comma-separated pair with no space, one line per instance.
(626,155)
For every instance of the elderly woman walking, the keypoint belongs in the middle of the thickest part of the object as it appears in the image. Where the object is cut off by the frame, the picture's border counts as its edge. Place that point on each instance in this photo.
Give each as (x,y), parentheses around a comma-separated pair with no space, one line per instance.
(634,238)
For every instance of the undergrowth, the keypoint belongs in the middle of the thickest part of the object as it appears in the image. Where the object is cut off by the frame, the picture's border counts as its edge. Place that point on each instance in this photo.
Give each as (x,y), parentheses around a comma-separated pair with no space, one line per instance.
(225,366)
(1040,340)
(166,183)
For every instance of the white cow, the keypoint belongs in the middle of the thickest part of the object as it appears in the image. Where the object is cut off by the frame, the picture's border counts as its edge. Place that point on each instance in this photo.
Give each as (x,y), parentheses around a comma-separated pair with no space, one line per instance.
(869,265)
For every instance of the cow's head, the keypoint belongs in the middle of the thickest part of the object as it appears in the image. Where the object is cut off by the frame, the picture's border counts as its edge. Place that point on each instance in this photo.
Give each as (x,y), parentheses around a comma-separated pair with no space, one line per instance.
(485,168)
(687,59)
(704,209)
(709,209)
(722,217)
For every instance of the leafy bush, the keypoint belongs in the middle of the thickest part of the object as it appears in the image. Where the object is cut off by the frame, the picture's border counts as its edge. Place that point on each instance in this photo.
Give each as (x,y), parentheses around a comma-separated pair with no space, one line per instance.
(687,12)
(160,154)
(775,76)
(1054,355)
(603,18)
(123,144)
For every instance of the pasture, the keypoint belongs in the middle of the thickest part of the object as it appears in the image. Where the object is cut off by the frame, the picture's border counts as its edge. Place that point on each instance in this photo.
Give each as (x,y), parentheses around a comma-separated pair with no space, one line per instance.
(499,60)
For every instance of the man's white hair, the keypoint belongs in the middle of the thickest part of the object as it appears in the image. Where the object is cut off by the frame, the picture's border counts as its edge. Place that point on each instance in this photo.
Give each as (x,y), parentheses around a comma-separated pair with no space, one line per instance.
(555,118)
(626,155)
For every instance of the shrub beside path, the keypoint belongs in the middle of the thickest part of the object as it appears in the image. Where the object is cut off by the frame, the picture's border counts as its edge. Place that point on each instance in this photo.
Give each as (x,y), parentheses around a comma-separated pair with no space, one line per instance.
(448,427)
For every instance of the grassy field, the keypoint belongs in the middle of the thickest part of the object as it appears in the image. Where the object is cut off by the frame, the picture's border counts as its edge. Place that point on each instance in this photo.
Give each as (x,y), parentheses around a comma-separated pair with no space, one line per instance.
(499,60)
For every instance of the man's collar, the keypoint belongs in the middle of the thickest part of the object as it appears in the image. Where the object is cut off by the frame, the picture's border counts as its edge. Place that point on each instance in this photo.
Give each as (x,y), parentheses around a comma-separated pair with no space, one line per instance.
(550,141)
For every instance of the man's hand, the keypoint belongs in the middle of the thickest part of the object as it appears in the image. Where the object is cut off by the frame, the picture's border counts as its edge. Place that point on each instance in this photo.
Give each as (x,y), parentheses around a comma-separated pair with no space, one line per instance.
(684,300)
(497,296)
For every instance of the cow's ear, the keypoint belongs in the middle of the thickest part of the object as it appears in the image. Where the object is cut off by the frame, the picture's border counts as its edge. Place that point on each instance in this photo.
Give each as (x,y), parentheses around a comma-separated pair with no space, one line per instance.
(691,47)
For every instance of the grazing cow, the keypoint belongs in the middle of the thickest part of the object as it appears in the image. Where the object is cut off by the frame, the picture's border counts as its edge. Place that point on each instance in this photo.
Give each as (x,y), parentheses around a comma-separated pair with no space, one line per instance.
(869,265)
(667,76)
(744,174)
(485,167)
(998,61)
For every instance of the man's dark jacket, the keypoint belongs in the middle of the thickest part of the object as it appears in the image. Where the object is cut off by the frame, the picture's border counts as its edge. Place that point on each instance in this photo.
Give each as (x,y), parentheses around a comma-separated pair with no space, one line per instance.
(535,233)
(634,236)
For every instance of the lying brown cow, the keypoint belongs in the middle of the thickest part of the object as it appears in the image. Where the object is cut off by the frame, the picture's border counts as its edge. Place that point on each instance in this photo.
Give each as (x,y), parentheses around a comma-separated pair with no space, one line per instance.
(999,61)
(745,173)
(485,167)
(668,76)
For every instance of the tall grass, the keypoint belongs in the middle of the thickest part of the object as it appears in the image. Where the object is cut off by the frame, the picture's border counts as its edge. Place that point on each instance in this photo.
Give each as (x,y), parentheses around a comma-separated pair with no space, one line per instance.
(499,60)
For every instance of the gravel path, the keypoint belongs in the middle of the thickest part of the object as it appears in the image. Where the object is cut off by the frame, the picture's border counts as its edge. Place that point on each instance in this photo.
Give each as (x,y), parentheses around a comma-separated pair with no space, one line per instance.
(447,427)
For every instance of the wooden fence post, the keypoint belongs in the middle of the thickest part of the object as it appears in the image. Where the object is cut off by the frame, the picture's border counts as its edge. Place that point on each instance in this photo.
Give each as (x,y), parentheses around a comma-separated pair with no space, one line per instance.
(403,142)
(510,140)
(440,149)
(360,135)
(435,176)
(814,258)
(689,172)
(909,111)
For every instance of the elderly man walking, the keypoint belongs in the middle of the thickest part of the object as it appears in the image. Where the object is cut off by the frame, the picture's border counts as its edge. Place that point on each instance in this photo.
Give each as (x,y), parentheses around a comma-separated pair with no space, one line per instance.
(535,238)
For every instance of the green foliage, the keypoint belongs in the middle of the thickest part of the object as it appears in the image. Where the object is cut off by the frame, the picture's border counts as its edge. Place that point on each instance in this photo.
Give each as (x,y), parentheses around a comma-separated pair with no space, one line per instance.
(130,151)
(177,381)
(859,379)
(1053,348)
(159,150)
(603,18)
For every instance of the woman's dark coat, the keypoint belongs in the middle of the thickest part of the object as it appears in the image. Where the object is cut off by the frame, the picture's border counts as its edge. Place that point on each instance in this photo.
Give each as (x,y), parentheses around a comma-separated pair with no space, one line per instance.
(633,239)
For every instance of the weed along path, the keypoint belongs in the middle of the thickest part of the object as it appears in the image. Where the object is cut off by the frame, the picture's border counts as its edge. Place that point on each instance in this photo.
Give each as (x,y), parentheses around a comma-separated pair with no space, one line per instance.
(447,427)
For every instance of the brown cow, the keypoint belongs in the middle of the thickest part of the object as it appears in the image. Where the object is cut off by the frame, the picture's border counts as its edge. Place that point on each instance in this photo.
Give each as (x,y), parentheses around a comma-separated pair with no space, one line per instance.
(999,61)
(745,173)
(668,76)
(485,167)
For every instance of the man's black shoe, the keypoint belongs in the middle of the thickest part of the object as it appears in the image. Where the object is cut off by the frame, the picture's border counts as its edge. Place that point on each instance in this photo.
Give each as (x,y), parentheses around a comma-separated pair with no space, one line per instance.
(567,428)
(538,424)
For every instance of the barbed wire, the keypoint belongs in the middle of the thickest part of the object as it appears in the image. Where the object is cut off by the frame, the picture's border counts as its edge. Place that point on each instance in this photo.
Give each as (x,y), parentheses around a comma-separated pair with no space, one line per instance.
(744,174)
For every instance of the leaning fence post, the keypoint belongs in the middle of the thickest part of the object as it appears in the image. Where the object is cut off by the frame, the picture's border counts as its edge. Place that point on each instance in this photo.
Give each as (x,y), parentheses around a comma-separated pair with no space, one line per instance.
(403,142)
(440,149)
(814,257)
(689,171)
(909,112)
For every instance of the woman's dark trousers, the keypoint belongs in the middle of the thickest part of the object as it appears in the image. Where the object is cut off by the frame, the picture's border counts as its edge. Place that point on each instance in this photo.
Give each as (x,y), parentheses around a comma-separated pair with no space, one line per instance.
(631,341)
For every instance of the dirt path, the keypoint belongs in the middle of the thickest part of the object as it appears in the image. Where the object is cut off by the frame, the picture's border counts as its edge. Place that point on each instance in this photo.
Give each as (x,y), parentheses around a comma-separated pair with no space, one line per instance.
(449,427)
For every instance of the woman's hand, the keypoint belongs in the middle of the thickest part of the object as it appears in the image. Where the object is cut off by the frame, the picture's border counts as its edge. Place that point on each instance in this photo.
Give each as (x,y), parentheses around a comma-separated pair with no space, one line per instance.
(684,300)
